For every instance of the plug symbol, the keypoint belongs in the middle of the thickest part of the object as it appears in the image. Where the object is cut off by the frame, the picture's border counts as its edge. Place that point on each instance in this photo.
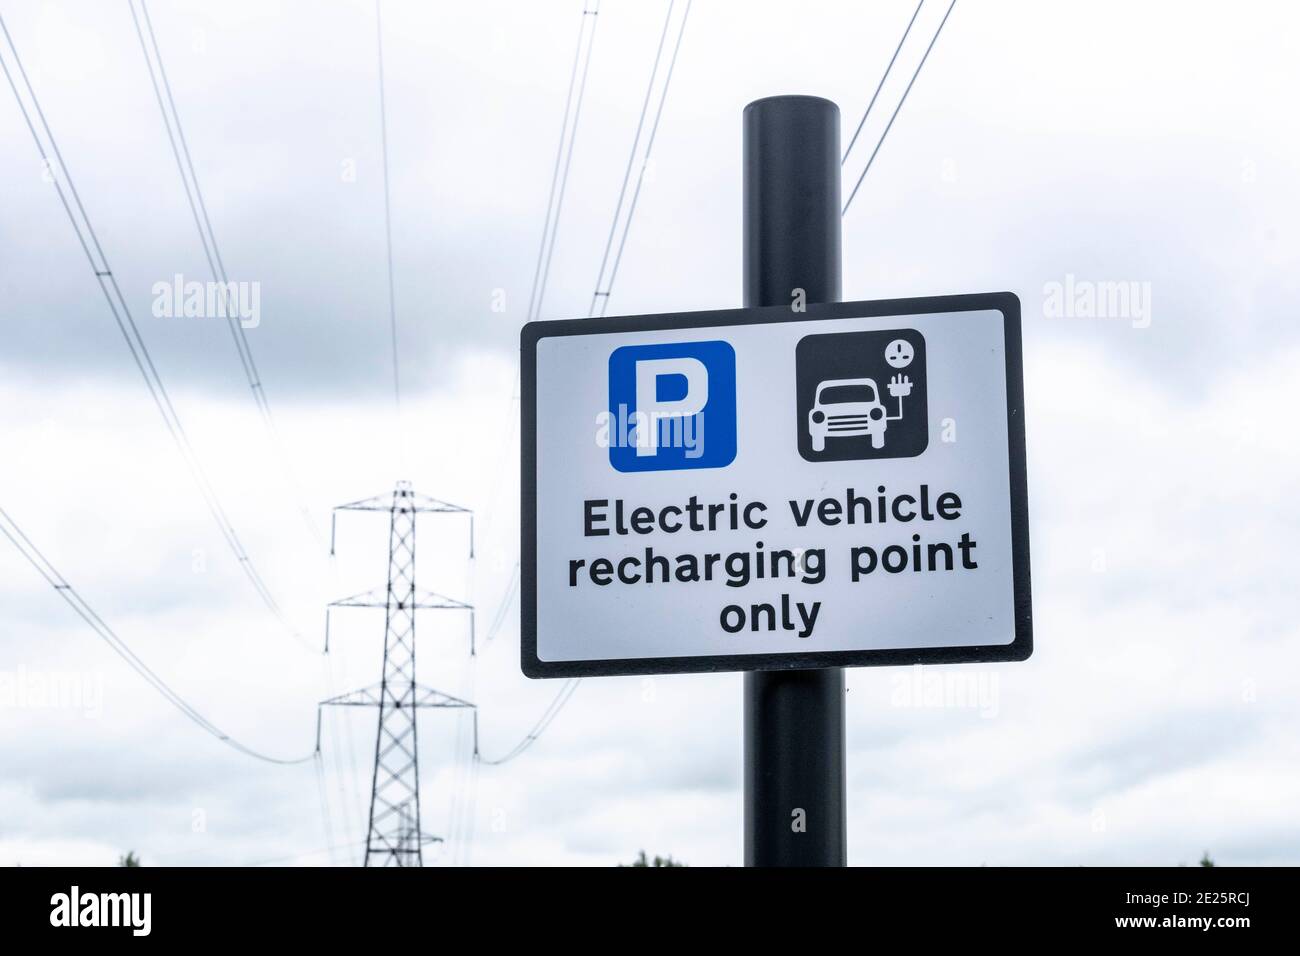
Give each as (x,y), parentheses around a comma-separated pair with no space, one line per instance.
(900,386)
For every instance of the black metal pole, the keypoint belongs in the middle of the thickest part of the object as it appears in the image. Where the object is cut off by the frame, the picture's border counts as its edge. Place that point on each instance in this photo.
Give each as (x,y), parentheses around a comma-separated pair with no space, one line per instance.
(794,720)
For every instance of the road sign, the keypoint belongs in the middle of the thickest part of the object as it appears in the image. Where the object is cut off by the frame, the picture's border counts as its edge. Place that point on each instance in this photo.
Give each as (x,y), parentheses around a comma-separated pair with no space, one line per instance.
(765,488)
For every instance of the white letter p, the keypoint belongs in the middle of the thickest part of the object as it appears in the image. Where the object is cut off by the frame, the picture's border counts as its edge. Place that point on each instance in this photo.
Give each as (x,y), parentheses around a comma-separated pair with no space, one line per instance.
(650,411)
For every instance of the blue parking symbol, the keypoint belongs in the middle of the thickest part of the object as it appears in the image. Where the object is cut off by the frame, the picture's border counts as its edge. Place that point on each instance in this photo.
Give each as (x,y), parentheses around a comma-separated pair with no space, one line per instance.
(672,406)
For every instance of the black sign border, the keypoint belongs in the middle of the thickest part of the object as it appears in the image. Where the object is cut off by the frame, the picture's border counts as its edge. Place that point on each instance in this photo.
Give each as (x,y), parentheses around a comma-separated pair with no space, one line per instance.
(1018,650)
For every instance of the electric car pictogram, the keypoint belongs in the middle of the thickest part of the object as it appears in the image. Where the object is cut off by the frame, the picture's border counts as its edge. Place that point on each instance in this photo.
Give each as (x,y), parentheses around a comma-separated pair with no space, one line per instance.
(851,407)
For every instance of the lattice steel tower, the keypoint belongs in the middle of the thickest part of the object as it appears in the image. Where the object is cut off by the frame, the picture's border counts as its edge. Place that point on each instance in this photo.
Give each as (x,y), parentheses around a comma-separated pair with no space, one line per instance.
(394,837)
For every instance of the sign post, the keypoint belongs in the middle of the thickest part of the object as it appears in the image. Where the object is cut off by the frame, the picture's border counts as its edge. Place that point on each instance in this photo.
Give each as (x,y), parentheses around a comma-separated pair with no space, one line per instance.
(794,720)
(785,489)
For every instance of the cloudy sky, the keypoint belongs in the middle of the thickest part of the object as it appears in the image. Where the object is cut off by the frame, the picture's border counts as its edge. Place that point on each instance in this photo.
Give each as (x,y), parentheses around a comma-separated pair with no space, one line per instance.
(1107,141)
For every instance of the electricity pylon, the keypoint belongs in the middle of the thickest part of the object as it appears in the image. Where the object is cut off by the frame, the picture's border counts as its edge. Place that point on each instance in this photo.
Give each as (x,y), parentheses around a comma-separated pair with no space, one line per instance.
(394,837)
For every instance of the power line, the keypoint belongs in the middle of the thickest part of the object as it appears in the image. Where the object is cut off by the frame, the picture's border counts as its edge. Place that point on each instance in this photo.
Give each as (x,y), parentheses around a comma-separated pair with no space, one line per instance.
(552,711)
(570,686)
(550,224)
(345,782)
(319,764)
(459,765)
(193,195)
(901,101)
(566,692)
(332,728)
(298,856)
(460,833)
(388,213)
(631,157)
(10,529)
(467,844)
(122,317)
(879,86)
(501,616)
(211,251)
(560,180)
(604,295)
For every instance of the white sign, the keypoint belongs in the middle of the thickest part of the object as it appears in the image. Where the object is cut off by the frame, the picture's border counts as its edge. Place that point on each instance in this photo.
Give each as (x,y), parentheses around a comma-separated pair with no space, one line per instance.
(762,488)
